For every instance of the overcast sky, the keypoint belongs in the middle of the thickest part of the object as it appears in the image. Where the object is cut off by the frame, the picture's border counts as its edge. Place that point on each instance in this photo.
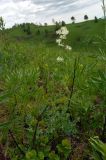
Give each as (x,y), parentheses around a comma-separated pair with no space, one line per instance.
(19,11)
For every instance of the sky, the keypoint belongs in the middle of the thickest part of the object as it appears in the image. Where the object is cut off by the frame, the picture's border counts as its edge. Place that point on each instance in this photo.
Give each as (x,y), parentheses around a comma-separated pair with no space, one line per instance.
(41,11)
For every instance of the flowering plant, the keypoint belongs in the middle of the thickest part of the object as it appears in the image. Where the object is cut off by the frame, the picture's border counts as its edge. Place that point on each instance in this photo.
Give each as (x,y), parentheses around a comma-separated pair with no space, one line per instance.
(60,59)
(62,33)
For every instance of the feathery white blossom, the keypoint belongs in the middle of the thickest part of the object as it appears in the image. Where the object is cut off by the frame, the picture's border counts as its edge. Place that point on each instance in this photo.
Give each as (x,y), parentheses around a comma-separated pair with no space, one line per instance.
(58,41)
(68,47)
(60,59)
(62,36)
(58,32)
(61,45)
(62,32)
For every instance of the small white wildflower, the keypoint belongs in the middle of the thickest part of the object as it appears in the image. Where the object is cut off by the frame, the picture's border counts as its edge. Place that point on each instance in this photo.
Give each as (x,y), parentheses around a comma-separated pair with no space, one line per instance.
(60,59)
(61,45)
(58,41)
(58,32)
(68,47)
(64,30)
(63,36)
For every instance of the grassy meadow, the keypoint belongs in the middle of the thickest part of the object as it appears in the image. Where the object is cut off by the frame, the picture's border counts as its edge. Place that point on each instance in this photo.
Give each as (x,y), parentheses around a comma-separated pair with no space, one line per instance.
(52,110)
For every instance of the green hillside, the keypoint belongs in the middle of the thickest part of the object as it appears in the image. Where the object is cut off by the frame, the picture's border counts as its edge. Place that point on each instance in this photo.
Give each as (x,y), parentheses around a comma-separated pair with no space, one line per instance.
(86,34)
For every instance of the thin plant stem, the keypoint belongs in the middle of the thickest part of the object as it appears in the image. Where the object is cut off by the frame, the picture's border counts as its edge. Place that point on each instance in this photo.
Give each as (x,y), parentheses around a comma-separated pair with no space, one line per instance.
(16,143)
(36,127)
(73,82)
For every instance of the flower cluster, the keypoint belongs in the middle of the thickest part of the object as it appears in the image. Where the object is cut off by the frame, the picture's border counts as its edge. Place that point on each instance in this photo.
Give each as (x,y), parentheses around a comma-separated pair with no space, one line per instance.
(62,33)
(68,47)
(60,59)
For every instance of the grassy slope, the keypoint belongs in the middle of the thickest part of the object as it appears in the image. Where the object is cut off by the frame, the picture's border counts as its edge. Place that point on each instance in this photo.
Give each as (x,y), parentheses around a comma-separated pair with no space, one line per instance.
(41,49)
(38,50)
(81,35)
(23,57)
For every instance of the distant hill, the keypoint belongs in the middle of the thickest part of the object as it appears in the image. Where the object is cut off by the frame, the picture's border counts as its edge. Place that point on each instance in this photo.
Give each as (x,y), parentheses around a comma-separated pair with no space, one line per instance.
(86,34)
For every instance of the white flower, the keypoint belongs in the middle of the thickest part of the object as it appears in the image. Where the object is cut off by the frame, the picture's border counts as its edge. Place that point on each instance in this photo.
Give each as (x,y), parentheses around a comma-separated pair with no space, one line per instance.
(62,45)
(64,30)
(58,32)
(68,47)
(62,36)
(60,59)
(58,41)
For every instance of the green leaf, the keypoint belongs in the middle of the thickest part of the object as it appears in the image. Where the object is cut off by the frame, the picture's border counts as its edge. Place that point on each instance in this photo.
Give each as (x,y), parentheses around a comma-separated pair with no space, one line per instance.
(31,155)
(41,155)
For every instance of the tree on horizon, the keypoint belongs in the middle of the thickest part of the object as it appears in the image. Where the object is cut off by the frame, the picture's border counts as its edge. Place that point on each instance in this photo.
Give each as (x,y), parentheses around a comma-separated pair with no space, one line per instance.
(73,19)
(86,17)
(96,19)
(2,24)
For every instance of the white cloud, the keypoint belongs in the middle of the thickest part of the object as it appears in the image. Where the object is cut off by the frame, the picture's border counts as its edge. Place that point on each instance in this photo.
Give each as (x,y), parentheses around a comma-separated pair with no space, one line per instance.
(19,11)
